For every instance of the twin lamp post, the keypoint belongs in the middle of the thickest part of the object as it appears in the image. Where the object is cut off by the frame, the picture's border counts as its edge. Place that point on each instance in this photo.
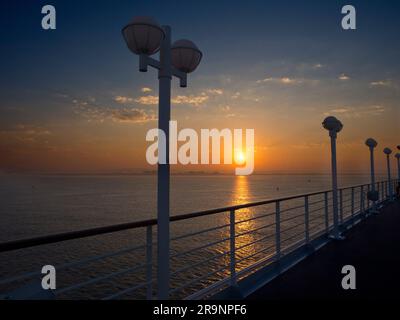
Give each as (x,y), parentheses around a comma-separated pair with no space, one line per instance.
(145,37)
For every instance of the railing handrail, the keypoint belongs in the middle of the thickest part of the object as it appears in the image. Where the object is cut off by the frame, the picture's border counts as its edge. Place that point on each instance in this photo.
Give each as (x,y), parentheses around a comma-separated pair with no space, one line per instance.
(73,235)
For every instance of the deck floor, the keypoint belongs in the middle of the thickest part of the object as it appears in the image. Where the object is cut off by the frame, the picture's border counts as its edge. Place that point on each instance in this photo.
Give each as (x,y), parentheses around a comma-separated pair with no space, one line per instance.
(372,247)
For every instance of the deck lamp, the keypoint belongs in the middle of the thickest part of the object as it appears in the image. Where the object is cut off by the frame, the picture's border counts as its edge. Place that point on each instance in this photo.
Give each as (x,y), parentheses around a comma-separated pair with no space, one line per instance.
(388,152)
(373,194)
(397,155)
(145,37)
(185,55)
(334,126)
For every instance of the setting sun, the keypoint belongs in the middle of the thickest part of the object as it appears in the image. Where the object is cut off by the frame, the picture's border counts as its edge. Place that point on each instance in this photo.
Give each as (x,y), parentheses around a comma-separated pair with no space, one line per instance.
(240,157)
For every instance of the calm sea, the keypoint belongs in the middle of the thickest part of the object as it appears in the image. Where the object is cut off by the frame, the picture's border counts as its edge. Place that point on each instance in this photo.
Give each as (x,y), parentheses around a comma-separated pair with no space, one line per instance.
(35,205)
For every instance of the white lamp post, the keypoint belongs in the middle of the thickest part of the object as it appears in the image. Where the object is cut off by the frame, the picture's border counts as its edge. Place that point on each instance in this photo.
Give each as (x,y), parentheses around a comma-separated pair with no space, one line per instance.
(398,169)
(388,152)
(334,126)
(398,148)
(145,37)
(373,195)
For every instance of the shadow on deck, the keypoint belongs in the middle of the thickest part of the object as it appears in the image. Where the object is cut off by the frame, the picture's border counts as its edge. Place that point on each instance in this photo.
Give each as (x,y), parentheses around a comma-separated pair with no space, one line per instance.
(372,247)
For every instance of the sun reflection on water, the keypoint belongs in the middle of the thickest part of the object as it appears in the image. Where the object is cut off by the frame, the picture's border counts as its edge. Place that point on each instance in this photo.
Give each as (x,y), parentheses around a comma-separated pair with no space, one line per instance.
(242,195)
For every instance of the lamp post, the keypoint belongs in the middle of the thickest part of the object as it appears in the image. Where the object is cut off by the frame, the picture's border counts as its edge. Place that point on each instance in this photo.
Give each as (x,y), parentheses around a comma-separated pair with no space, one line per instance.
(372,195)
(145,37)
(398,172)
(334,126)
(388,152)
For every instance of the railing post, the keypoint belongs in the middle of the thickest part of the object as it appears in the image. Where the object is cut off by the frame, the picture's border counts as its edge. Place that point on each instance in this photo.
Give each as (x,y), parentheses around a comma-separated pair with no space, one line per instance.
(149,262)
(326,212)
(341,205)
(379,192)
(383,190)
(390,190)
(307,219)
(352,204)
(362,200)
(386,190)
(393,189)
(378,185)
(278,229)
(368,201)
(232,248)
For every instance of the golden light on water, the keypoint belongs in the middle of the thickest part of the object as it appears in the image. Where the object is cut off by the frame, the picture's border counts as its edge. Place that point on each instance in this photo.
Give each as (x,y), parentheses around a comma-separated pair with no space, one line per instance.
(248,230)
(241,192)
(242,195)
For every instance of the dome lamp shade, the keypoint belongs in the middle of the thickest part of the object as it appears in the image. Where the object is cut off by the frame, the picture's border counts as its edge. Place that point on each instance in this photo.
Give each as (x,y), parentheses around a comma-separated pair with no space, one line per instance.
(185,56)
(332,124)
(371,143)
(387,151)
(143,35)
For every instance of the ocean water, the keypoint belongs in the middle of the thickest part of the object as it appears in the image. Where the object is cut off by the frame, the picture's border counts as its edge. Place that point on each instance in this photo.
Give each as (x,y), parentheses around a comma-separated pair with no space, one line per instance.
(36,205)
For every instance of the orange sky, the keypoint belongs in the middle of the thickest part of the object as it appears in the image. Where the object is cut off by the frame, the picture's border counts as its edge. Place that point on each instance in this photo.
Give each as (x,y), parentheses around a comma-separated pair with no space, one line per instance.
(284,141)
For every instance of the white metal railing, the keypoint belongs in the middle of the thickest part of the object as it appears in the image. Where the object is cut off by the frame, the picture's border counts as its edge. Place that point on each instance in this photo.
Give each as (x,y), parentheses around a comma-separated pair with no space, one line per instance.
(232,243)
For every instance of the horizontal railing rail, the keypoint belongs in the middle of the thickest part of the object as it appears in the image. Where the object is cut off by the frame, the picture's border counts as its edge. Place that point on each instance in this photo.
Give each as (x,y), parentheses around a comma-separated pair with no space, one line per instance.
(73,235)
(243,245)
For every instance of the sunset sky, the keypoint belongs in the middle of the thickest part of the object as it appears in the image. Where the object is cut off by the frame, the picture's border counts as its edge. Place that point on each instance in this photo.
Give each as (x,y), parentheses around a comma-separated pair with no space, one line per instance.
(73,100)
